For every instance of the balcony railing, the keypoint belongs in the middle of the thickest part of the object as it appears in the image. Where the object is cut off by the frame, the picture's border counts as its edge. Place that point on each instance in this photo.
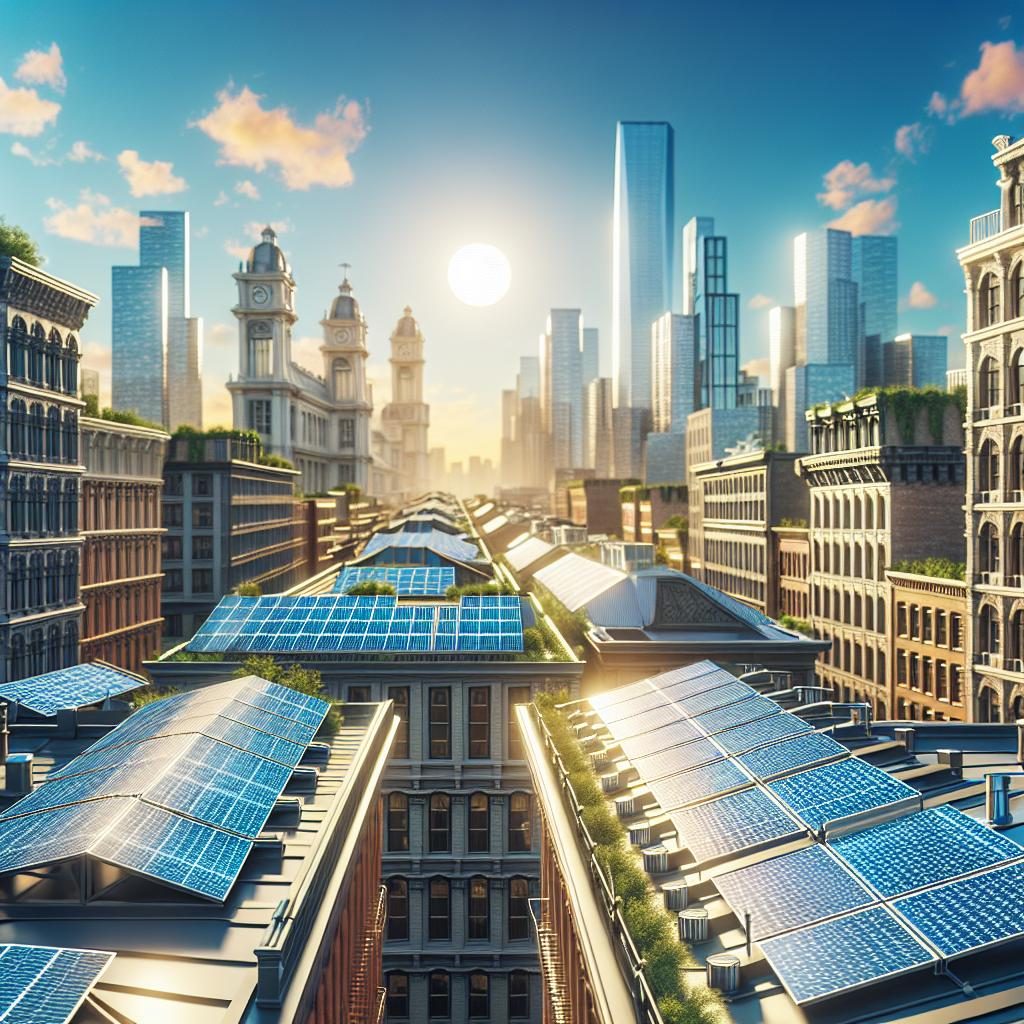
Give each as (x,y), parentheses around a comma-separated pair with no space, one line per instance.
(986,226)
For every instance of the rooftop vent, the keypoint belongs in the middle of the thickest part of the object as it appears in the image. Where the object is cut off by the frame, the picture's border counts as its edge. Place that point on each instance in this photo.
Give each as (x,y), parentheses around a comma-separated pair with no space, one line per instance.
(317,753)
(693,925)
(287,813)
(304,780)
(723,972)
(18,780)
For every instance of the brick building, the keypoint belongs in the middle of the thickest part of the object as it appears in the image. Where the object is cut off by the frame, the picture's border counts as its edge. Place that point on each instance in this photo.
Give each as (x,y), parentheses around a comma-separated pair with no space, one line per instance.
(120,518)
(646,509)
(887,484)
(927,618)
(594,504)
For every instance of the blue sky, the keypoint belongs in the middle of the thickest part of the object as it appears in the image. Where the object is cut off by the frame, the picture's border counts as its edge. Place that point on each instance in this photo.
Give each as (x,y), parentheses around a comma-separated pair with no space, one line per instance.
(388,134)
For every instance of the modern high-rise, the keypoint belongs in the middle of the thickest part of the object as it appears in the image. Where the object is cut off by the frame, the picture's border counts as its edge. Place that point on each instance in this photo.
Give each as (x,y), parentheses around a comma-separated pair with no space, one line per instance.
(916,360)
(590,358)
(155,339)
(875,271)
(561,377)
(599,428)
(642,239)
(674,391)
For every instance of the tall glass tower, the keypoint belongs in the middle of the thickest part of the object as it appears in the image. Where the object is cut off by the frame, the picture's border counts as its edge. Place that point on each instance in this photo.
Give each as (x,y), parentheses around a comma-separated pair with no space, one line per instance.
(562,392)
(139,341)
(641,252)
(874,270)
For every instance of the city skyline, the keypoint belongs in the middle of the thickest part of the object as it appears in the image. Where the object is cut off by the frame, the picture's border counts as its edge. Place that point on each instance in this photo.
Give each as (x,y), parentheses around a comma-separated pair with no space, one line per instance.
(373,164)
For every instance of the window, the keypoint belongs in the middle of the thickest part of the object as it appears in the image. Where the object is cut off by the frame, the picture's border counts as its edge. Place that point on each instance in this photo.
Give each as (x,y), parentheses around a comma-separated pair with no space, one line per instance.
(988,383)
(398,822)
(343,387)
(174,582)
(398,994)
(439,911)
(519,823)
(479,997)
(171,516)
(358,695)
(439,996)
(518,909)
(479,838)
(440,722)
(346,433)
(988,297)
(479,721)
(518,995)
(202,516)
(202,547)
(202,581)
(170,548)
(202,484)
(400,695)
(988,630)
(479,909)
(260,417)
(440,831)
(516,695)
(988,467)
(398,908)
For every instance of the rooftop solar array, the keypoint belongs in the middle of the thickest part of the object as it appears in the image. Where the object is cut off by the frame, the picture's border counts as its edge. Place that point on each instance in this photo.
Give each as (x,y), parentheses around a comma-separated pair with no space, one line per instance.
(177,792)
(343,624)
(75,687)
(408,581)
(45,984)
(445,544)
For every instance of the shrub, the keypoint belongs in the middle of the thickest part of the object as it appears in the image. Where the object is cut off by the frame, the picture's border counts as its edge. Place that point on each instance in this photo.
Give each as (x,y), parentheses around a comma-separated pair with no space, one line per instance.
(648,924)
(149,694)
(603,826)
(369,588)
(249,589)
(586,788)
(295,677)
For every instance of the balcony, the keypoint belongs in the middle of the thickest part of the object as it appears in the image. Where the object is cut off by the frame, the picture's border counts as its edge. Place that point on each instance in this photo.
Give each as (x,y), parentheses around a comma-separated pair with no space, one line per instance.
(988,225)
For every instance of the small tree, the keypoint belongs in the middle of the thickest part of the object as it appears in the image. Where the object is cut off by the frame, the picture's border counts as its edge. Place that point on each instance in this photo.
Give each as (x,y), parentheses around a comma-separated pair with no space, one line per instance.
(249,589)
(370,588)
(17,242)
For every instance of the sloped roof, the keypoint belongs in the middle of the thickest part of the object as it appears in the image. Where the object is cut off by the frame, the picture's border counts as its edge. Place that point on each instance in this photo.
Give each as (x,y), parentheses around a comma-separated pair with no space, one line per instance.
(576,580)
(526,553)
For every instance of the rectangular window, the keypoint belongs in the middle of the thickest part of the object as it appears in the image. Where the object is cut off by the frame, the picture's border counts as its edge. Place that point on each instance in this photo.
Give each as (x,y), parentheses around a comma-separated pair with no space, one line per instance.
(479,721)
(346,433)
(398,995)
(439,1006)
(956,631)
(440,722)
(479,910)
(516,695)
(171,515)
(941,636)
(202,547)
(440,825)
(260,415)
(479,830)
(358,695)
(202,484)
(202,516)
(398,909)
(398,822)
(479,997)
(400,695)
(170,548)
(518,995)
(926,625)
(439,915)
(172,484)
(174,582)
(518,909)
(202,581)
(519,823)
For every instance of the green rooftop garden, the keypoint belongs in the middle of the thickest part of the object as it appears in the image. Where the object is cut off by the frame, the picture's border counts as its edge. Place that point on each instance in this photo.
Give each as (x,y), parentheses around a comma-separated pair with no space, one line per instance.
(937,568)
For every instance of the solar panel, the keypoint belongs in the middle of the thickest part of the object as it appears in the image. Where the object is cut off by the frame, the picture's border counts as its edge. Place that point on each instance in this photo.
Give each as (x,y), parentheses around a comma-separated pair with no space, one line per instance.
(659,737)
(791,891)
(75,687)
(698,784)
(649,720)
(835,791)
(921,849)
(671,760)
(970,914)
(45,984)
(843,954)
(763,730)
(788,755)
(408,581)
(737,714)
(719,697)
(736,822)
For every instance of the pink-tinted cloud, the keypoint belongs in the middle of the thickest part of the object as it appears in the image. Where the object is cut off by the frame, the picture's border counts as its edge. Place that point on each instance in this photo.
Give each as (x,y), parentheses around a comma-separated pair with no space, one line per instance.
(24,111)
(250,135)
(236,249)
(919,297)
(847,181)
(997,83)
(911,140)
(761,301)
(81,151)
(43,67)
(247,188)
(93,220)
(869,217)
(938,105)
(149,177)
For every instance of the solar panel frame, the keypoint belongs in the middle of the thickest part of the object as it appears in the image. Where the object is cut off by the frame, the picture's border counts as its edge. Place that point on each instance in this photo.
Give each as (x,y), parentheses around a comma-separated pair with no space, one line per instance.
(76,687)
(797,753)
(47,984)
(688,787)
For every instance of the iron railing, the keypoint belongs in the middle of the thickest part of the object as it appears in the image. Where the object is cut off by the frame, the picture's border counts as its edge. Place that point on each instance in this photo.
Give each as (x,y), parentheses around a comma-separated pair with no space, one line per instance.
(986,226)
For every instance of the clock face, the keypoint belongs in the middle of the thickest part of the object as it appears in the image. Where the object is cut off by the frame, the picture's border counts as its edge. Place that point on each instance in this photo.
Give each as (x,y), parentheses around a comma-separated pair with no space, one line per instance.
(260,295)
(342,334)
(404,351)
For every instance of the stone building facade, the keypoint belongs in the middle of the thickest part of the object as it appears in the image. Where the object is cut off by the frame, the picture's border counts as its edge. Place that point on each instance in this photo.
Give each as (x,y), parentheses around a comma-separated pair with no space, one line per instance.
(792,568)
(993,265)
(927,620)
(120,519)
(40,469)
(887,485)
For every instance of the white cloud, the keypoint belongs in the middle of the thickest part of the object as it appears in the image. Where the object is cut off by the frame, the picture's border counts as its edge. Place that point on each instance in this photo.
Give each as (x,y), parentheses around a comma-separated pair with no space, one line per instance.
(81,151)
(255,227)
(200,232)
(236,249)
(305,155)
(24,111)
(38,160)
(919,297)
(760,367)
(847,181)
(43,67)
(911,140)
(760,301)
(306,352)
(247,188)
(222,198)
(869,217)
(93,220)
(149,177)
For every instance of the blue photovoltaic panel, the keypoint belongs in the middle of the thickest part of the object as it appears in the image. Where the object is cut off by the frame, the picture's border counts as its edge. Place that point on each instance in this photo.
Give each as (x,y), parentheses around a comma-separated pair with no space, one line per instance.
(792,891)
(737,714)
(761,731)
(635,705)
(671,760)
(75,687)
(837,790)
(791,754)
(719,697)
(648,721)
(732,823)
(848,952)
(968,915)
(44,984)
(657,738)
(408,581)
(698,784)
(921,849)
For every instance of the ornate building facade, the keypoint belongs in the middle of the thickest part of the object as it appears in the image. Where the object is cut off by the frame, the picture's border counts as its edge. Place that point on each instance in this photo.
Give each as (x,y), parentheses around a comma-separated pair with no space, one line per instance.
(993,265)
(120,518)
(320,423)
(40,472)
(406,418)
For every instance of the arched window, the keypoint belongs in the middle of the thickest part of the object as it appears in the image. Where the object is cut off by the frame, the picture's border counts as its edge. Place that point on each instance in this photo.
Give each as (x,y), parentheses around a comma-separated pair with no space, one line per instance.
(988,300)
(398,822)
(344,385)
(478,909)
(1017,204)
(71,366)
(70,436)
(35,431)
(519,823)
(988,549)
(478,839)
(1017,292)
(398,909)
(19,665)
(1015,640)
(35,354)
(988,630)
(17,344)
(479,996)
(53,650)
(988,705)
(439,911)
(439,995)
(440,831)
(988,384)
(1015,556)
(398,994)
(53,434)
(988,467)
(52,582)
(53,360)
(518,909)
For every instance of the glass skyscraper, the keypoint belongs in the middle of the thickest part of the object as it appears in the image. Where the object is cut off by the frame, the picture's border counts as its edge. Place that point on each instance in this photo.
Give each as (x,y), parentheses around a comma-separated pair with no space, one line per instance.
(642,234)
(874,270)
(562,393)
(139,340)
(916,360)
(827,318)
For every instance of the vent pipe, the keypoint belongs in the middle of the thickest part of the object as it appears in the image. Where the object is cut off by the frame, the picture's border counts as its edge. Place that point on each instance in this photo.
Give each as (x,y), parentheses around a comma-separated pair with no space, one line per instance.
(693,925)
(997,800)
(5,734)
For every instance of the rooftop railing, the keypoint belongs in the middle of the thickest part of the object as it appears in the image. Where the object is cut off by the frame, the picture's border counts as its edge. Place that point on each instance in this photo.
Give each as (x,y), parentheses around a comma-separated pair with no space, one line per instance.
(986,226)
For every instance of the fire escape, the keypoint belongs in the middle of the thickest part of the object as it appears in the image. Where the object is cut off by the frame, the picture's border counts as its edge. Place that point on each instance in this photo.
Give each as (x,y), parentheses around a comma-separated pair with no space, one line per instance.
(366,1004)
(552,968)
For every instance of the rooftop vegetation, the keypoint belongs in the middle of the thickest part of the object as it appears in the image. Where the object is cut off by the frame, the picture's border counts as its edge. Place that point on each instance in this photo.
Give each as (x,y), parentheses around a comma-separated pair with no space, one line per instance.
(17,242)
(295,677)
(795,523)
(92,408)
(795,624)
(197,437)
(906,403)
(572,625)
(370,588)
(938,568)
(457,590)
(249,589)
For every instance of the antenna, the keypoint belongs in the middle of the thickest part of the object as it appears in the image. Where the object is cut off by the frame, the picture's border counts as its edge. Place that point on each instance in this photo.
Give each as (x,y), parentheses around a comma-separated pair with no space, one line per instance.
(346,267)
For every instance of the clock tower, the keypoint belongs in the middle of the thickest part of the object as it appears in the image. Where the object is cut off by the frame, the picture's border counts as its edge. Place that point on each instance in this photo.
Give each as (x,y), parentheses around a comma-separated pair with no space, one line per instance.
(406,417)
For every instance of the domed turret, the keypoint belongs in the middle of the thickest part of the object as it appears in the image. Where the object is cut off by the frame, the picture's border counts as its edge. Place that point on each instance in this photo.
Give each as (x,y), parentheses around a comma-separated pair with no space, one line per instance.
(267,257)
(407,326)
(345,306)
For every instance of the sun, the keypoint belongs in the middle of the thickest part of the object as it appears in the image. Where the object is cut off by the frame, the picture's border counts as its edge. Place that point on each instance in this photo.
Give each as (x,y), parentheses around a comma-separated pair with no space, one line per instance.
(479,274)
